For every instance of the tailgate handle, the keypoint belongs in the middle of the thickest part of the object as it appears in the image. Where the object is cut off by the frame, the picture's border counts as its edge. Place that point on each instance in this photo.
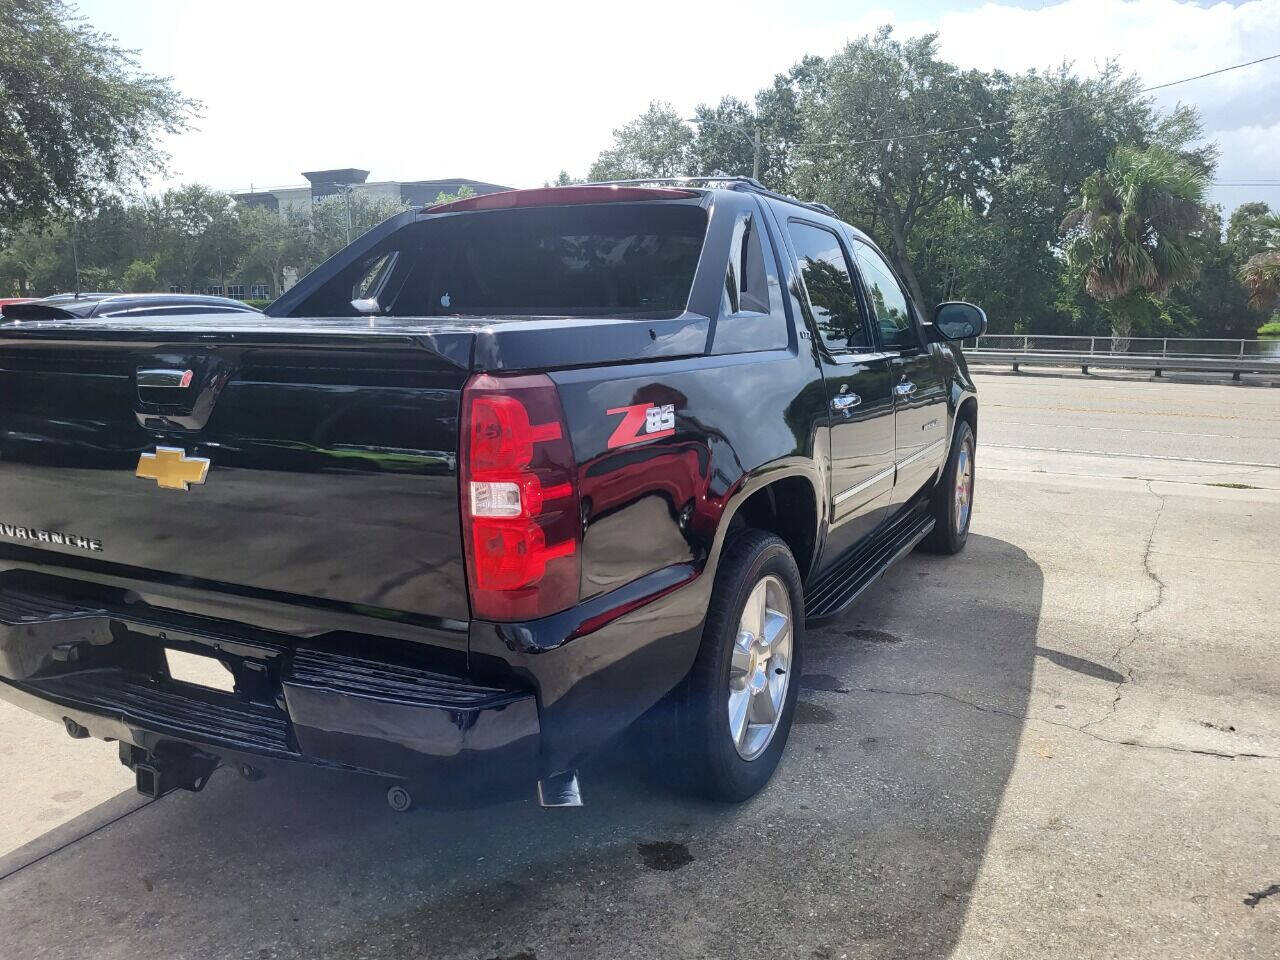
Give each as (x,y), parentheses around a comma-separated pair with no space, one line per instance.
(162,377)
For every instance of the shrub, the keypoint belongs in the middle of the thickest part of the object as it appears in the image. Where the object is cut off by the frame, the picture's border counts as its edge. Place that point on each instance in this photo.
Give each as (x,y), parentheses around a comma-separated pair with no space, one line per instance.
(257,304)
(1270,329)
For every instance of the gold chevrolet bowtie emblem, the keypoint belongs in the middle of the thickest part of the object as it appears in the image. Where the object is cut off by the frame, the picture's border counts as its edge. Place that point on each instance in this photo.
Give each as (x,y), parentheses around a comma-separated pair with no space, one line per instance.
(171,468)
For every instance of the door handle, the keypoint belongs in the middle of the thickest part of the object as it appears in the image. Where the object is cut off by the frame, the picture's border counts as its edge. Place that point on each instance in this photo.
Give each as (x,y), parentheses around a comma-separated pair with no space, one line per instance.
(905,389)
(845,402)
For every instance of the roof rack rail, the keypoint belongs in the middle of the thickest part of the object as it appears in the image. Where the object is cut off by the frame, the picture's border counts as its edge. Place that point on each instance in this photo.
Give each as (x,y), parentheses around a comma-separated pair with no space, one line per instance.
(748,184)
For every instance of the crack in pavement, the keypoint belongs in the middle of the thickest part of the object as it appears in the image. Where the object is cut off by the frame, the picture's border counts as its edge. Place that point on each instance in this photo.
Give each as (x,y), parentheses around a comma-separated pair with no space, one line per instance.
(1135,627)
(72,841)
(1028,718)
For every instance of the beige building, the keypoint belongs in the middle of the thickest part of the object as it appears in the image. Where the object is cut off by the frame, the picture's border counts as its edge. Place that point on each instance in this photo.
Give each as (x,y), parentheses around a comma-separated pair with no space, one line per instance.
(331,183)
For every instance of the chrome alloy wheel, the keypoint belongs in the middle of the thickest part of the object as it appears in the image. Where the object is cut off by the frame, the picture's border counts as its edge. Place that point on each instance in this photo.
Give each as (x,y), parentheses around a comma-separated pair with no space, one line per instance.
(760,670)
(964,485)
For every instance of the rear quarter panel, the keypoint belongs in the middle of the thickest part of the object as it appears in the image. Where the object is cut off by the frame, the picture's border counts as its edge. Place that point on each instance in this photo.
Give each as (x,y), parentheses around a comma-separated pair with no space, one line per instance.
(654,503)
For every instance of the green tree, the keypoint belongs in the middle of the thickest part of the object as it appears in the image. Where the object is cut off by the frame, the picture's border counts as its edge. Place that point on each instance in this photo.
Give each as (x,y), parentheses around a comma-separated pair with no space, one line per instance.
(274,241)
(37,260)
(1133,233)
(463,192)
(723,145)
(1218,301)
(658,143)
(78,119)
(782,127)
(329,222)
(854,111)
(1261,272)
(197,235)
(1253,239)
(1252,230)
(1061,128)
(140,277)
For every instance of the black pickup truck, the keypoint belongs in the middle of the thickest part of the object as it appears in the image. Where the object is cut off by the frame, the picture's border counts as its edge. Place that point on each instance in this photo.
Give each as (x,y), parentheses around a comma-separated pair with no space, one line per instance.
(497,480)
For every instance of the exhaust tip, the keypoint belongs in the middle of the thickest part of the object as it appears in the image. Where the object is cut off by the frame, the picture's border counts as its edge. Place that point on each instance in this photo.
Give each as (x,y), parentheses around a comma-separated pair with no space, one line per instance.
(74,730)
(560,790)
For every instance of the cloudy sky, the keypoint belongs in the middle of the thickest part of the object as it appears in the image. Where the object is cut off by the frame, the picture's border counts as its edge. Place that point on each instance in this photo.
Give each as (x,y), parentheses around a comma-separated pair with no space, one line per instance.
(513,93)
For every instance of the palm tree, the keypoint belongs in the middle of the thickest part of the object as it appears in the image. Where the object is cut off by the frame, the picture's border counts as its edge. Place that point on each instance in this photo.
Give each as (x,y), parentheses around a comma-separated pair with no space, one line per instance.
(1132,236)
(1261,272)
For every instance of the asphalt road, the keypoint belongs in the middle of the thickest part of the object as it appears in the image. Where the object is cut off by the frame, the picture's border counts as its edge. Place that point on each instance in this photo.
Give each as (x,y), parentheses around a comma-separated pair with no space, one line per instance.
(1063,743)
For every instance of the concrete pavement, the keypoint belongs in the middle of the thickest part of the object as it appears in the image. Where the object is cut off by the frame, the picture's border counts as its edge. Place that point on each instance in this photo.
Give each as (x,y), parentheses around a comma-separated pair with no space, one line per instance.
(1063,743)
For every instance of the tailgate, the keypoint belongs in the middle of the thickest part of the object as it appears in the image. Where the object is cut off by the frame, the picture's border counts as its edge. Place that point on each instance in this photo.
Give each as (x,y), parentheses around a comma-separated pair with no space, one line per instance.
(331,459)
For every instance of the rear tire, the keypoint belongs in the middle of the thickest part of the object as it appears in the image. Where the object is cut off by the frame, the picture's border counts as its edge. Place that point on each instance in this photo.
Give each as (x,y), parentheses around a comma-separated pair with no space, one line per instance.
(736,706)
(952,503)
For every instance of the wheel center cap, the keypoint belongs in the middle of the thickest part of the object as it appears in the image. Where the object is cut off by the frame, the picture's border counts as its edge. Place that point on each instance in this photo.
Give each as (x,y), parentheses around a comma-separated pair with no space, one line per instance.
(758,673)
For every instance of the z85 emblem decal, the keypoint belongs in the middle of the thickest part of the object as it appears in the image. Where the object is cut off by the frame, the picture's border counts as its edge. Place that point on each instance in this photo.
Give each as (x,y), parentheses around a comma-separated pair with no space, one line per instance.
(642,421)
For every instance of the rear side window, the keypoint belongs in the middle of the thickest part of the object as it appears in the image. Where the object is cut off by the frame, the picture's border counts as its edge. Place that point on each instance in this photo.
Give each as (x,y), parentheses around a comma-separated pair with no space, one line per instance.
(375,276)
(746,281)
(827,281)
(887,299)
(591,260)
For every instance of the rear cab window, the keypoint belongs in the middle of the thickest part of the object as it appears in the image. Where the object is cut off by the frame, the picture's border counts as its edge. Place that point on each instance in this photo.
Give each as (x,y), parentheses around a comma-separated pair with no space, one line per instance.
(634,259)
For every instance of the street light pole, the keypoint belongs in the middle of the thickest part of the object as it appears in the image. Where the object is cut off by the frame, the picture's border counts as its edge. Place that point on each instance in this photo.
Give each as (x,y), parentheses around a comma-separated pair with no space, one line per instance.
(751,133)
(346,193)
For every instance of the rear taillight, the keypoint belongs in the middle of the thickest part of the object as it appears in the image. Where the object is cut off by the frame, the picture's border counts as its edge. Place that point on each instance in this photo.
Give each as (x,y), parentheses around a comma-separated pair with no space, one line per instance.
(521,528)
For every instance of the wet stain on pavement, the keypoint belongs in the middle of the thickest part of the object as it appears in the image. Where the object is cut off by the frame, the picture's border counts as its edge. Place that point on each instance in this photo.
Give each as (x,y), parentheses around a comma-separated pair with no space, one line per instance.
(522,955)
(1253,899)
(664,855)
(872,636)
(823,681)
(812,713)
(1222,727)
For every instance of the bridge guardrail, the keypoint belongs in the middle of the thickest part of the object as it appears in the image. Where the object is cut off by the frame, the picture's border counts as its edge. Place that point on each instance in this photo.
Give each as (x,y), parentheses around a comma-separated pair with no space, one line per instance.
(1158,362)
(1127,346)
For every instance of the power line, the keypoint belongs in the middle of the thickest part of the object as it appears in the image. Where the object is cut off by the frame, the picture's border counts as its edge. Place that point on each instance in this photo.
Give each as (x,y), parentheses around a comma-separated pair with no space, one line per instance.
(1049,113)
(1211,73)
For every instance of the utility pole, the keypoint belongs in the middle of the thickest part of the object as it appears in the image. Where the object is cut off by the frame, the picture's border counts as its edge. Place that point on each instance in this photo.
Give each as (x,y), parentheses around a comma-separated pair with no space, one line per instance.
(751,133)
(75,257)
(346,193)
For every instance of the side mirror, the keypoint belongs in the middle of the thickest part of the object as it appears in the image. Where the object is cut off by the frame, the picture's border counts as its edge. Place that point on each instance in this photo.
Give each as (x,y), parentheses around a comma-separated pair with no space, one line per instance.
(957,320)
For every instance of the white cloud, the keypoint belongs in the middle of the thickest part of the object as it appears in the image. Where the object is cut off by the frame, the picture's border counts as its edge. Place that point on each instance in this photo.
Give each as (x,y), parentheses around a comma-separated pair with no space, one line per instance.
(513,92)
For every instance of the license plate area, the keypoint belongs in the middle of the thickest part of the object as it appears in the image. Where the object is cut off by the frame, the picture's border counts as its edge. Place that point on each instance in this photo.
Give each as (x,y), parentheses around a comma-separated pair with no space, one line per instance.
(199,670)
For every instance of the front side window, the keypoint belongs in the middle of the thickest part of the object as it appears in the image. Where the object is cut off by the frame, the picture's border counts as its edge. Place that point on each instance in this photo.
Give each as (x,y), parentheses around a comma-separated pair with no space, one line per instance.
(887,299)
(826,277)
